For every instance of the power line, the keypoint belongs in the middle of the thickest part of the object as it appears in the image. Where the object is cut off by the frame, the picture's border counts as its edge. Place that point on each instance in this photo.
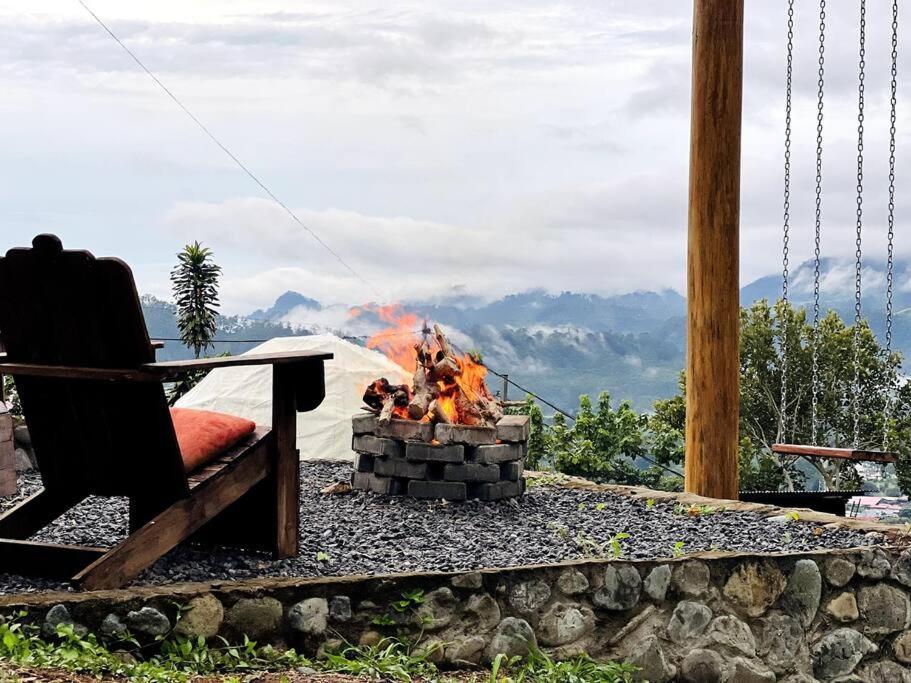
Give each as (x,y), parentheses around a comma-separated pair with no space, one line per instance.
(228,152)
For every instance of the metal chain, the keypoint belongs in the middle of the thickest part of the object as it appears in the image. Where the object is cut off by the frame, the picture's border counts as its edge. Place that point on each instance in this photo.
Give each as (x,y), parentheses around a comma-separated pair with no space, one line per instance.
(891,218)
(786,224)
(814,421)
(855,394)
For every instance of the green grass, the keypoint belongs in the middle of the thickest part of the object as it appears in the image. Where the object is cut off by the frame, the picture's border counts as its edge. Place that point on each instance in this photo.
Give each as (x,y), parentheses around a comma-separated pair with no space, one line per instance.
(173,659)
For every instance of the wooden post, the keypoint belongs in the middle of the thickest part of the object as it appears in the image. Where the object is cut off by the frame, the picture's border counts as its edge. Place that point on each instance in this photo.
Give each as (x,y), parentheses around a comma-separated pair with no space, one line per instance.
(713,291)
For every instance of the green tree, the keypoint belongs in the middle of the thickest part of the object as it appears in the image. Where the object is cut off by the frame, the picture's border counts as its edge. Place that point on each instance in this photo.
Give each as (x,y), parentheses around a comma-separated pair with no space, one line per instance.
(764,332)
(195,284)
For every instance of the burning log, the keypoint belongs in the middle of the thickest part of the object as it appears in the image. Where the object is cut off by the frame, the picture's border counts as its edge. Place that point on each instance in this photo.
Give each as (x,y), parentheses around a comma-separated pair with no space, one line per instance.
(446,389)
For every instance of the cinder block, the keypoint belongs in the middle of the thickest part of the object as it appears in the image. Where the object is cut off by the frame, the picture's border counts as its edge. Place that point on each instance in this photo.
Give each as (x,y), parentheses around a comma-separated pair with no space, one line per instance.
(497,453)
(386,486)
(377,446)
(471,472)
(428,452)
(464,434)
(511,471)
(397,467)
(363,462)
(405,430)
(448,490)
(7,482)
(514,428)
(499,490)
(363,423)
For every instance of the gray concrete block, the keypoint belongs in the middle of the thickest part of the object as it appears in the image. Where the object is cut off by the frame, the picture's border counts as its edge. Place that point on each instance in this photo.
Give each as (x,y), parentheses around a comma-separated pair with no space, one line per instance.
(448,490)
(386,486)
(363,462)
(511,471)
(405,430)
(464,434)
(471,472)
(363,423)
(499,490)
(497,453)
(514,428)
(377,446)
(427,452)
(398,467)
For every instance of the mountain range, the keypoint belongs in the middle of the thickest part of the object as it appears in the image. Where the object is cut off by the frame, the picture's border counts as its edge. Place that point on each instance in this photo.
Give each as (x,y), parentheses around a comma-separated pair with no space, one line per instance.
(562,345)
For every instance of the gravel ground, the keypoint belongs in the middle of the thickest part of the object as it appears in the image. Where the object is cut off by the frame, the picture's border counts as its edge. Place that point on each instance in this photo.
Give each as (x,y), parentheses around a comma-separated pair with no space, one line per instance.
(363,533)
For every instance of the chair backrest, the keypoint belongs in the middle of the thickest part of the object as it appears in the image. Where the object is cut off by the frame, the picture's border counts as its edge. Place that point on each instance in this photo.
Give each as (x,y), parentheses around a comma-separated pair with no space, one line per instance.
(67,308)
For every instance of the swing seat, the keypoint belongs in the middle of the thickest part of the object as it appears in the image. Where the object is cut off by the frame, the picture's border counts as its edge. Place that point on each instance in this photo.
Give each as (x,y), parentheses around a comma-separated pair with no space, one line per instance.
(837,453)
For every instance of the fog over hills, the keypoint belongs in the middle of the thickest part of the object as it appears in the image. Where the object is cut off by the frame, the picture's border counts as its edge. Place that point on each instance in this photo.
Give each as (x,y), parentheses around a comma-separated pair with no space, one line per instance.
(563,345)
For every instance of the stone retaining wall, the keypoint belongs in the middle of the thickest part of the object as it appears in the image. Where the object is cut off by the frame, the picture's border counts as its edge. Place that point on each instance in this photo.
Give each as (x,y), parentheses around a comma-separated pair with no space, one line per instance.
(7,453)
(827,616)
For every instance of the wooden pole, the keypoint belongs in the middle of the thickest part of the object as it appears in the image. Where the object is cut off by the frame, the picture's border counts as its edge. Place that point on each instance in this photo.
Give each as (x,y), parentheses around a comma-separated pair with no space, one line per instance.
(713,290)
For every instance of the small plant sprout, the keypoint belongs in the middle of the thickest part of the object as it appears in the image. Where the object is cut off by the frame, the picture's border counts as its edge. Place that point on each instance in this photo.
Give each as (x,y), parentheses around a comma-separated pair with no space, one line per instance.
(582,506)
(677,549)
(650,503)
(600,507)
(794,516)
(614,544)
(322,556)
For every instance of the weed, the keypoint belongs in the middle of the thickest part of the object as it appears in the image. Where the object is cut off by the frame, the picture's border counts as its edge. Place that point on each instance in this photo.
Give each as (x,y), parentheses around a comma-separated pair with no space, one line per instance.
(614,543)
(388,660)
(650,503)
(600,507)
(323,557)
(677,549)
(540,667)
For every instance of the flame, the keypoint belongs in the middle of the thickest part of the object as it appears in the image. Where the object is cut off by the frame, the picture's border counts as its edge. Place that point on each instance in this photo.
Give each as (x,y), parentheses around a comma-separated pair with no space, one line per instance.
(395,342)
(399,343)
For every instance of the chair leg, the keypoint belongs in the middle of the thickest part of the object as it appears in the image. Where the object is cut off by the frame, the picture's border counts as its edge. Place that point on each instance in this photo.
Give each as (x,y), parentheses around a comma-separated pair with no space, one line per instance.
(287,462)
(175,524)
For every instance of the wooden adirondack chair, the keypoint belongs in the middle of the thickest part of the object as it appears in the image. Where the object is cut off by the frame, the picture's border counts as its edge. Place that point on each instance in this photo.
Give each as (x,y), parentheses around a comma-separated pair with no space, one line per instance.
(92,396)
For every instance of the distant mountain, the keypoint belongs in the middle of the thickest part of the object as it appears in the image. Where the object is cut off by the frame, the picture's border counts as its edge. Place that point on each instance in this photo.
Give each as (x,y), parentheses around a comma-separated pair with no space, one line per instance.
(563,345)
(283,305)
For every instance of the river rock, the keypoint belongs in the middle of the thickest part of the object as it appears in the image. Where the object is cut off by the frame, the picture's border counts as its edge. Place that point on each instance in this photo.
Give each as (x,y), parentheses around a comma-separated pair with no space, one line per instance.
(839,571)
(688,621)
(753,587)
(657,582)
(653,665)
(435,612)
(873,564)
(514,638)
(565,623)
(838,653)
(148,621)
(843,607)
(482,613)
(782,642)
(113,628)
(255,617)
(60,615)
(203,618)
(340,608)
(620,589)
(731,633)
(702,666)
(691,578)
(465,650)
(901,646)
(901,571)
(572,582)
(309,617)
(885,609)
(885,672)
(529,596)
(745,671)
(470,581)
(803,591)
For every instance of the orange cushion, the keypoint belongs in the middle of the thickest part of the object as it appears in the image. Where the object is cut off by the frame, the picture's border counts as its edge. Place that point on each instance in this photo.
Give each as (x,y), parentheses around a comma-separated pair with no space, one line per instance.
(203,434)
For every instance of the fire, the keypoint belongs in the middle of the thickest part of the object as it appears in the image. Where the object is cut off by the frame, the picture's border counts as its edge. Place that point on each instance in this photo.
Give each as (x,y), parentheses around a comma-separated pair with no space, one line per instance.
(458,392)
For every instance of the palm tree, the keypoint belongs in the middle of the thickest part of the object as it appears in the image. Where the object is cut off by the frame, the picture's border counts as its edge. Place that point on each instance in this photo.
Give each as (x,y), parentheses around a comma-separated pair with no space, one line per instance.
(195,286)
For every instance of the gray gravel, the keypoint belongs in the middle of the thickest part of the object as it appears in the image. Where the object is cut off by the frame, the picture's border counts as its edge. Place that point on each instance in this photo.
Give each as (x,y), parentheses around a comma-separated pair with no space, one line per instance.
(363,533)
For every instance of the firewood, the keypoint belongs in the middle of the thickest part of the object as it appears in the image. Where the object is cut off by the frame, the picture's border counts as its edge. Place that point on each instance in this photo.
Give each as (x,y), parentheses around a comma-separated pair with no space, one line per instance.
(386,412)
(439,415)
(424,392)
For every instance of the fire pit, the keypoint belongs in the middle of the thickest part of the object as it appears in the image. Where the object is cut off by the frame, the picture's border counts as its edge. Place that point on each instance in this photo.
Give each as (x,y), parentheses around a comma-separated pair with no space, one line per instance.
(443,437)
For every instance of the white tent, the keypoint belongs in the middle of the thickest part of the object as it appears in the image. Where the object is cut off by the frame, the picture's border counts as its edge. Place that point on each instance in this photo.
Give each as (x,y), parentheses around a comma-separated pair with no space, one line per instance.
(323,433)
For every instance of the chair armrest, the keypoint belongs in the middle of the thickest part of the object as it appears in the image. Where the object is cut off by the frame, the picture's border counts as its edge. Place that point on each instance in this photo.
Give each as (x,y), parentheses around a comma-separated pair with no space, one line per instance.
(75,372)
(179,367)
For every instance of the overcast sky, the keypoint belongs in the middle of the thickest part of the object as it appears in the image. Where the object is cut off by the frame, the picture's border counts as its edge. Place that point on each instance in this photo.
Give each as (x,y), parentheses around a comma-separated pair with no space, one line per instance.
(474,146)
